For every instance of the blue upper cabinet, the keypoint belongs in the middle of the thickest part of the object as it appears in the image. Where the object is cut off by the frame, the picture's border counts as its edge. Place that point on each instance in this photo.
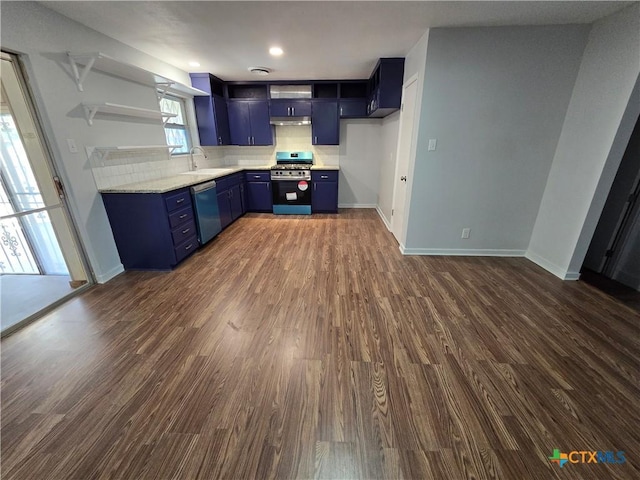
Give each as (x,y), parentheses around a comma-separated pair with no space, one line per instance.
(290,108)
(385,87)
(249,122)
(325,122)
(211,111)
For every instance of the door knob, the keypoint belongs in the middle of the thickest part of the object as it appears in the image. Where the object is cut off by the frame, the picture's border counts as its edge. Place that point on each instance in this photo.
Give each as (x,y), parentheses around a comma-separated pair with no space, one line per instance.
(403,179)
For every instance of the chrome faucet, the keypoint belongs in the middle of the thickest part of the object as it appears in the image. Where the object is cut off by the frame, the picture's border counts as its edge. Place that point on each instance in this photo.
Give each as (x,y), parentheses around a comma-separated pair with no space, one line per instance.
(194,164)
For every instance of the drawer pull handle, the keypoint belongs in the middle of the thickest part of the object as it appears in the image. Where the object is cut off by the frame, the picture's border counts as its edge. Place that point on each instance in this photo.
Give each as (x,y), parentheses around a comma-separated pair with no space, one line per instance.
(185,230)
(184,215)
(256,176)
(180,200)
(324,176)
(188,247)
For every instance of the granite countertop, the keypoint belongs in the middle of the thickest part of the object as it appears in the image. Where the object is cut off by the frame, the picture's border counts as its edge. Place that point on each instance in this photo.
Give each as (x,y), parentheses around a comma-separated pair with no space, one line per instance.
(187,179)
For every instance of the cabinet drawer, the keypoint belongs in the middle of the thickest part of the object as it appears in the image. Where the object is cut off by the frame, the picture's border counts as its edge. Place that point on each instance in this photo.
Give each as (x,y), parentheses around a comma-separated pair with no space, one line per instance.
(178,200)
(181,216)
(186,248)
(183,232)
(258,176)
(324,175)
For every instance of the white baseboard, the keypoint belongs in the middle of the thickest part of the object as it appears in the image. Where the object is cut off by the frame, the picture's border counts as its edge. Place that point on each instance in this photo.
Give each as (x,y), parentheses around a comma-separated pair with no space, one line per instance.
(357,205)
(459,252)
(384,219)
(105,277)
(551,267)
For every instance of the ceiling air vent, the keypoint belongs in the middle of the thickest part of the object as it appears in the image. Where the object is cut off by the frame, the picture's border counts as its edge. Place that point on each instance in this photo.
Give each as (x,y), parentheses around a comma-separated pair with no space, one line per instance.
(262,71)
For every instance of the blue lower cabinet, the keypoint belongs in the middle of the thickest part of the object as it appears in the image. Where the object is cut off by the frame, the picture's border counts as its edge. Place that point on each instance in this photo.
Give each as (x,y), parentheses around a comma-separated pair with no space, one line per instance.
(324,193)
(152,230)
(231,201)
(225,208)
(259,197)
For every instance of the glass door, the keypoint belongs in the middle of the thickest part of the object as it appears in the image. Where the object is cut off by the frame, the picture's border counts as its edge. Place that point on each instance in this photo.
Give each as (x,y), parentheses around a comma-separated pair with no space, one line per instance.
(40,260)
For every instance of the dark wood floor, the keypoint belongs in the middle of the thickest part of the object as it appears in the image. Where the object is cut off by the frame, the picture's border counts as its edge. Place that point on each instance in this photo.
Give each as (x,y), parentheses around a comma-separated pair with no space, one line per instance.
(298,347)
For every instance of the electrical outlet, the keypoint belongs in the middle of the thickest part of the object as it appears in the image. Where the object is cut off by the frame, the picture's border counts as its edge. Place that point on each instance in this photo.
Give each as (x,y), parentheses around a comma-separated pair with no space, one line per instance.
(432,144)
(466,232)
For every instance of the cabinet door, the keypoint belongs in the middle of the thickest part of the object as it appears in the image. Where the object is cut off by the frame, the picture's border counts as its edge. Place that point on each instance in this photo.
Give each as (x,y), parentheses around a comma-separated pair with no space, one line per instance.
(225,208)
(243,197)
(221,116)
(356,108)
(205,120)
(290,108)
(259,196)
(324,197)
(261,129)
(235,200)
(239,123)
(325,123)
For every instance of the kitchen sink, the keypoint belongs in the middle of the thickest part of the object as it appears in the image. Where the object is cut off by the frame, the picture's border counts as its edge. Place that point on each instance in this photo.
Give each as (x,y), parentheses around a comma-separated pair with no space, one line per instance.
(210,171)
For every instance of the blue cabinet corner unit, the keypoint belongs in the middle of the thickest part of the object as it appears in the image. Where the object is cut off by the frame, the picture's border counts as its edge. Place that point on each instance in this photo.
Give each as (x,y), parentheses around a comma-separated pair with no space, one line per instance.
(385,87)
(211,111)
(153,231)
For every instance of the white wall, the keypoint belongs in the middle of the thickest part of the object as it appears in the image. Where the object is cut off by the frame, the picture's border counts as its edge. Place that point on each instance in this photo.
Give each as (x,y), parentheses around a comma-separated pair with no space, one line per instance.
(360,155)
(388,151)
(44,36)
(495,99)
(597,127)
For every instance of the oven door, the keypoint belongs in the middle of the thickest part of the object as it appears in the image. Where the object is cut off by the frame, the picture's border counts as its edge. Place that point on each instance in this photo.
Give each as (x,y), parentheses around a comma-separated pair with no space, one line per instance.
(291,196)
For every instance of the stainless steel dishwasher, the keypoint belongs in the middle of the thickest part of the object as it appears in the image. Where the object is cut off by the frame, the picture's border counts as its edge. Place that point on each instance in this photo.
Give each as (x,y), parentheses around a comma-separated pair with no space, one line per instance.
(205,203)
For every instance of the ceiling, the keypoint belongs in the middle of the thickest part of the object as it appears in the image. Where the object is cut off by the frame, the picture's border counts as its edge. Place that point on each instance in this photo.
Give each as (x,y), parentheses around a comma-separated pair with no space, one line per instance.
(321,39)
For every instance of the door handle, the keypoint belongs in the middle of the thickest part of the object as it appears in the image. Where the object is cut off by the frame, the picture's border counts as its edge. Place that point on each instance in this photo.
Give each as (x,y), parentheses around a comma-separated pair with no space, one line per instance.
(219,140)
(293,111)
(249,140)
(315,140)
(403,179)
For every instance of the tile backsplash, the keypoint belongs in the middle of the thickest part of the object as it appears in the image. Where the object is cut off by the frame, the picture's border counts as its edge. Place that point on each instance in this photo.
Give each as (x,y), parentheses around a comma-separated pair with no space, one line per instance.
(129,166)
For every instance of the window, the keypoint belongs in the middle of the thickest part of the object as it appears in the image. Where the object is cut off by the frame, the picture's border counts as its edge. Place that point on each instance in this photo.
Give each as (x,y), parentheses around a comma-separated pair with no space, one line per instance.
(176,129)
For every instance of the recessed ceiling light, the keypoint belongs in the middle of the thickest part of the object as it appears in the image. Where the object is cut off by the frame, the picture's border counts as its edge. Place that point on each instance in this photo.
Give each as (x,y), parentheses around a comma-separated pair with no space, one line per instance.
(276,51)
(262,71)
(194,64)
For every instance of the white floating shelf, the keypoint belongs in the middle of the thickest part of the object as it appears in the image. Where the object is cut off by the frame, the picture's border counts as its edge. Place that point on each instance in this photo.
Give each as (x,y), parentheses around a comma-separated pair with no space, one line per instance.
(91,109)
(104,63)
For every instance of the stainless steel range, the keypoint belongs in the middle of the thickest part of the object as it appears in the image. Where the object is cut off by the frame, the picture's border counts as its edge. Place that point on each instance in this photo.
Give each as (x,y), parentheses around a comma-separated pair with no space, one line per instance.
(291,183)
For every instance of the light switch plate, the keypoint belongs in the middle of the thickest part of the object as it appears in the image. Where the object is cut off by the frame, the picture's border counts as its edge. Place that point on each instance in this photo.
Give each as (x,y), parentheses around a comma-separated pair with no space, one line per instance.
(466,232)
(73,148)
(432,144)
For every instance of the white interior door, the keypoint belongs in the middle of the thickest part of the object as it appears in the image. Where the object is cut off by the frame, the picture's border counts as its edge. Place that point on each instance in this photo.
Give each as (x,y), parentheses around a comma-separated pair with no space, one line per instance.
(405,138)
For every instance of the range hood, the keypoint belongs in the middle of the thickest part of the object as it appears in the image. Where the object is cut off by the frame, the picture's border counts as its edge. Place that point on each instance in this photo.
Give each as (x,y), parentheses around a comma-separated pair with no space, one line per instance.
(290,120)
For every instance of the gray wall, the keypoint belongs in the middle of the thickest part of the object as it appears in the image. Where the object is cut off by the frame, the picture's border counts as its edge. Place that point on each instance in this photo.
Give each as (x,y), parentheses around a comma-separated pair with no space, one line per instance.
(596,130)
(495,100)
(44,36)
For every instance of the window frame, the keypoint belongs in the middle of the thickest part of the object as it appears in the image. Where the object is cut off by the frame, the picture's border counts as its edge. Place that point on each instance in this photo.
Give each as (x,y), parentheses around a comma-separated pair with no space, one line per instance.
(189,127)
